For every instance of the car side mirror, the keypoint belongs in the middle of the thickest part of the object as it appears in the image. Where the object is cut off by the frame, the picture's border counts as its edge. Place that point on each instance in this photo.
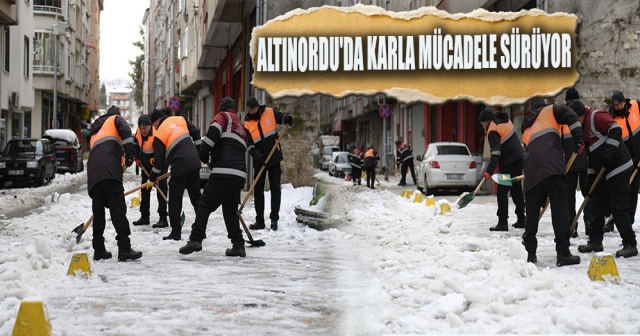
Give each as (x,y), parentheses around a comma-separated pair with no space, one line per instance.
(419,158)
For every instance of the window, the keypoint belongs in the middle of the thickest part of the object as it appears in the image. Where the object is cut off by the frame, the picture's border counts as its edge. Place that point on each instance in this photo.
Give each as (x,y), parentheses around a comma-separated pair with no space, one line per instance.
(185,42)
(7,49)
(52,3)
(26,57)
(43,52)
(27,124)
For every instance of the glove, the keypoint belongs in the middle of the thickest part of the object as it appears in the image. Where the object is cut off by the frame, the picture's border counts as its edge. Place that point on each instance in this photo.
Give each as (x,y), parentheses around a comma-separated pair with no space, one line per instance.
(149,184)
(258,160)
(579,148)
(287,119)
(129,162)
(138,162)
(487,176)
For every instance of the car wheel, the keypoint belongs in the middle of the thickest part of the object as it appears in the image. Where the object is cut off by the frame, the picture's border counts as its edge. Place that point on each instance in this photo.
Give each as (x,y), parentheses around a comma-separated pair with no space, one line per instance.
(41,180)
(81,165)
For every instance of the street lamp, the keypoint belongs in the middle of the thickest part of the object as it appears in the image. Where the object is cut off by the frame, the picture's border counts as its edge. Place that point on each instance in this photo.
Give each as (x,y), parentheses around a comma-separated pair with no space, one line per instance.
(58,29)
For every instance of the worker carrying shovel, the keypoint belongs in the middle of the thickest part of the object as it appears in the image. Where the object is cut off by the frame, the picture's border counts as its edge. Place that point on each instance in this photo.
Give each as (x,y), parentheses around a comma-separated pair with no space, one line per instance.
(111,149)
(544,169)
(603,136)
(144,158)
(506,153)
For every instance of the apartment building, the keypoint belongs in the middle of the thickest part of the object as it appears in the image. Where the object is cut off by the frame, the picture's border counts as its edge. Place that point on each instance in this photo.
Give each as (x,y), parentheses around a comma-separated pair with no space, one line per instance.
(64,43)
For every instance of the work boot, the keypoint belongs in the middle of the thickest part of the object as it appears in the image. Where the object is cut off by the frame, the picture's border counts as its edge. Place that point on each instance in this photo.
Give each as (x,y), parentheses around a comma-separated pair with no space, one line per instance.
(174,235)
(520,224)
(236,251)
(257,226)
(402,183)
(192,246)
(502,225)
(274,225)
(162,223)
(415,182)
(144,220)
(566,258)
(627,251)
(531,257)
(128,254)
(101,255)
(591,247)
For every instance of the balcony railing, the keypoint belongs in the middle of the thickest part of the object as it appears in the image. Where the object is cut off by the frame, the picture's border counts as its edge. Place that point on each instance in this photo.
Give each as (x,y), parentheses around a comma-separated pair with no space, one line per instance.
(43,68)
(47,9)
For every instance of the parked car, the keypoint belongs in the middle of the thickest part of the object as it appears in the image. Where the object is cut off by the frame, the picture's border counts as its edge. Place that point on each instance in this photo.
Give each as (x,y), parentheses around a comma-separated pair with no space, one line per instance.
(26,160)
(339,164)
(446,165)
(68,150)
(327,154)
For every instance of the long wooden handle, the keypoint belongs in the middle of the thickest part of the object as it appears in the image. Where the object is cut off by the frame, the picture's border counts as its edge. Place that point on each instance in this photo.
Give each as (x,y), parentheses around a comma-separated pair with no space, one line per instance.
(161,177)
(157,189)
(255,181)
(574,224)
(475,192)
(566,170)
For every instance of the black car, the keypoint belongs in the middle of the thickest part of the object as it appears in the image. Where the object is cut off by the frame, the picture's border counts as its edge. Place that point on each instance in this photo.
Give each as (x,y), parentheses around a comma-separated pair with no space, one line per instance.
(68,150)
(27,160)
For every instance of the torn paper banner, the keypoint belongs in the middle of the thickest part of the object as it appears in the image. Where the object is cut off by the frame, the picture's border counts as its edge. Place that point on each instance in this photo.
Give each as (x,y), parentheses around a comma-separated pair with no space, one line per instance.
(423,55)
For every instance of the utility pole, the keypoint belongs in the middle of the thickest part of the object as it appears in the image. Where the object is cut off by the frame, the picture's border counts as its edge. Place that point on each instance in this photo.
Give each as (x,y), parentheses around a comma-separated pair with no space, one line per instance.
(55,73)
(172,61)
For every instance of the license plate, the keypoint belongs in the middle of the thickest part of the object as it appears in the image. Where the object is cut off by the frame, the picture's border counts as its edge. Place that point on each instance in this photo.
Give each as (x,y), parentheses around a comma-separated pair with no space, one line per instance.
(59,163)
(16,172)
(454,176)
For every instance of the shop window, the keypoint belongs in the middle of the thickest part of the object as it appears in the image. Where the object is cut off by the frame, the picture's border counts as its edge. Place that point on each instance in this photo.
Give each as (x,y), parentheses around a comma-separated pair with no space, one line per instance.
(27,124)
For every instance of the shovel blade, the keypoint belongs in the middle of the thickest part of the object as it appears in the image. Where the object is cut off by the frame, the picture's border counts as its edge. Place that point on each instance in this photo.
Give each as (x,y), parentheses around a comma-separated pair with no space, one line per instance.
(465,200)
(256,243)
(503,179)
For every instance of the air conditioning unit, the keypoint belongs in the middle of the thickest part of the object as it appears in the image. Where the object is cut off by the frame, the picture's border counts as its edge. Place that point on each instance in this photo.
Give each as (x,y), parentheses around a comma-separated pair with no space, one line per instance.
(14,99)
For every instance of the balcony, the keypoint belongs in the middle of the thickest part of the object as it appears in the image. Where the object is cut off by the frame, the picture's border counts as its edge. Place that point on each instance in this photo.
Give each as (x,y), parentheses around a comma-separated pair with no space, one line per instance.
(8,13)
(47,10)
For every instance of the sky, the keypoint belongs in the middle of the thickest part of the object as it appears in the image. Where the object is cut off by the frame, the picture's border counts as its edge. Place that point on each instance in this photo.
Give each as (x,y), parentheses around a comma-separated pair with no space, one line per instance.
(120,23)
(394,266)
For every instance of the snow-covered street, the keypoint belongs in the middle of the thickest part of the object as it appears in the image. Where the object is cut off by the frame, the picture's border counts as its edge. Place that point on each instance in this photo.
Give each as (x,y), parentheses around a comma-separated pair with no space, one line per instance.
(393,267)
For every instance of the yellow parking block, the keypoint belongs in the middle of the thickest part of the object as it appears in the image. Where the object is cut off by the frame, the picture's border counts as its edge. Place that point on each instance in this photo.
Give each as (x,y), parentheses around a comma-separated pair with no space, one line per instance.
(418,198)
(445,208)
(431,201)
(33,319)
(409,194)
(79,265)
(402,193)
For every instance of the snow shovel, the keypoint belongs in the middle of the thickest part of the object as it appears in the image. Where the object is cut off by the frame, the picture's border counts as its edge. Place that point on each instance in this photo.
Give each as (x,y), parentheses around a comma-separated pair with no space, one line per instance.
(182,216)
(584,202)
(82,228)
(566,170)
(506,179)
(258,243)
(468,197)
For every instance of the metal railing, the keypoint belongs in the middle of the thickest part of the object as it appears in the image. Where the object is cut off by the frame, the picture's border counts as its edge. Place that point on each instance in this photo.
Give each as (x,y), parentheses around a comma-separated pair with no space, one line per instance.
(47,9)
(43,68)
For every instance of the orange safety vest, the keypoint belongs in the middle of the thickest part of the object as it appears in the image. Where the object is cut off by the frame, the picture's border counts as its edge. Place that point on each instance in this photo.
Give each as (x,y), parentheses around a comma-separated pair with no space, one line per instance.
(267,123)
(171,131)
(369,153)
(147,146)
(506,130)
(545,123)
(633,119)
(107,132)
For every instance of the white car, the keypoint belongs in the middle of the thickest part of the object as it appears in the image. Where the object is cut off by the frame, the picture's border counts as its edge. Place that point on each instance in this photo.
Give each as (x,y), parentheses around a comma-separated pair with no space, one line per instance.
(446,165)
(339,164)
(327,154)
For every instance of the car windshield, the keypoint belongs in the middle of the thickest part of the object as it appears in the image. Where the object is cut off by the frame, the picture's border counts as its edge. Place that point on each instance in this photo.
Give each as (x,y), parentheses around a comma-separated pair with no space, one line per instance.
(327,150)
(59,142)
(452,150)
(23,148)
(342,158)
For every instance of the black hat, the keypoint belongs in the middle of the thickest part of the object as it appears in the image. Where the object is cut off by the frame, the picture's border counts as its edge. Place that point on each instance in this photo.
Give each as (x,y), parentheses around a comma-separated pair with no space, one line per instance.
(617,98)
(486,114)
(577,106)
(227,103)
(156,115)
(144,120)
(252,102)
(571,94)
(398,142)
(113,110)
(538,102)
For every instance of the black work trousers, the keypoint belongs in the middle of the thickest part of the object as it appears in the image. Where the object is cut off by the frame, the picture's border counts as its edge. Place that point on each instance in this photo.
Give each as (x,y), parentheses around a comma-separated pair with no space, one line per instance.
(371,176)
(356,174)
(109,194)
(517,195)
(555,188)
(177,184)
(633,198)
(219,191)
(274,173)
(573,180)
(613,194)
(407,164)
(146,195)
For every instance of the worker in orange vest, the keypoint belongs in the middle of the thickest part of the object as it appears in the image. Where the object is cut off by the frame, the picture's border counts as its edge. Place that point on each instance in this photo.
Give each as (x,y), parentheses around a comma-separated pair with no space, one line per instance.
(370,161)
